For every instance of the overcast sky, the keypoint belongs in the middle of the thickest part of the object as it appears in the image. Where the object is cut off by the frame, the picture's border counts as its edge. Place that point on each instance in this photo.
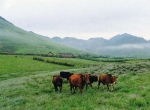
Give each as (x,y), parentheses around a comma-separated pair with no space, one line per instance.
(82,19)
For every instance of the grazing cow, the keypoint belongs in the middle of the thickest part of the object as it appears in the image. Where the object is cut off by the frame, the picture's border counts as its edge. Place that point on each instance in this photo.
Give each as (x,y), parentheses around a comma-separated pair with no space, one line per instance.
(107,79)
(77,80)
(65,74)
(92,78)
(57,81)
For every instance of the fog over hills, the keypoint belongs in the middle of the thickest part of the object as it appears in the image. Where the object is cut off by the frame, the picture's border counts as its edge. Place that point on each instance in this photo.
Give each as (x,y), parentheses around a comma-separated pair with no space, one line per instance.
(16,40)
(122,45)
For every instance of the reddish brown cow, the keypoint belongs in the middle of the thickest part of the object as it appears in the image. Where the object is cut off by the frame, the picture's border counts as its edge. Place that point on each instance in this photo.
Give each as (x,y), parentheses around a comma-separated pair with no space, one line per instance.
(77,80)
(57,81)
(107,79)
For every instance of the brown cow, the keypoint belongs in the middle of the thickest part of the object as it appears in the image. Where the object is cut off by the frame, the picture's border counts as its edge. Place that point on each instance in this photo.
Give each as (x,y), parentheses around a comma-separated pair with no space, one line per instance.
(57,81)
(107,79)
(77,80)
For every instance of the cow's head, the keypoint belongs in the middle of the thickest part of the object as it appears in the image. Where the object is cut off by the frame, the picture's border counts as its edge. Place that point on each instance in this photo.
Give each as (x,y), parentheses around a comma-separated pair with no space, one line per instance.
(114,79)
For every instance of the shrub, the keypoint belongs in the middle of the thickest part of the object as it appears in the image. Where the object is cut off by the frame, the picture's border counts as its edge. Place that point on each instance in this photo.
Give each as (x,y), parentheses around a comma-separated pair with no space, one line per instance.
(60,63)
(39,59)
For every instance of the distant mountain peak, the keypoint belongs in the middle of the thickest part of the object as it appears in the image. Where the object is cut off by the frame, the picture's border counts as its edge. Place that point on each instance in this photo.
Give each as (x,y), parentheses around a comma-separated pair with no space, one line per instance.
(125,34)
(126,39)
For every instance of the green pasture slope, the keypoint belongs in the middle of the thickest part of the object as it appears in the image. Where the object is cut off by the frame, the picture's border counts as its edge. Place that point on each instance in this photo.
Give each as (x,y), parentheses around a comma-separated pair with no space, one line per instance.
(25,84)
(12,66)
(16,40)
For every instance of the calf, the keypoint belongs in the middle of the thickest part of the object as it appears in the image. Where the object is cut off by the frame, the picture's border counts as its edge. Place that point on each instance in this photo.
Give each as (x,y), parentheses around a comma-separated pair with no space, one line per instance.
(107,79)
(65,74)
(77,80)
(57,81)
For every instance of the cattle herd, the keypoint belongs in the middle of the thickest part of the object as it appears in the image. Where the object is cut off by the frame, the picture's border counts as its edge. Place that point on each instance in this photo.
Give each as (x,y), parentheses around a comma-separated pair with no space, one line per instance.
(82,79)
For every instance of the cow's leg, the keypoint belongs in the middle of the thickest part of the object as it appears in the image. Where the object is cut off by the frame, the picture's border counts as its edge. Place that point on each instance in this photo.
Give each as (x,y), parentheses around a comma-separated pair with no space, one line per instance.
(80,89)
(112,87)
(71,88)
(86,86)
(56,89)
(98,84)
(103,86)
(107,86)
(60,88)
(74,88)
(91,85)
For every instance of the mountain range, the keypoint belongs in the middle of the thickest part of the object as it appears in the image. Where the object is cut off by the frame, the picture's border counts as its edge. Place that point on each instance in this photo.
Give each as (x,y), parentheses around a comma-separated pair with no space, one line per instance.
(122,45)
(16,40)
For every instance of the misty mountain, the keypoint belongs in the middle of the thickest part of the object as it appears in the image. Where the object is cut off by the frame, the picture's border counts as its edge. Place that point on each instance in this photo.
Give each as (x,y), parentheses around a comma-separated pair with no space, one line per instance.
(126,39)
(122,45)
(16,40)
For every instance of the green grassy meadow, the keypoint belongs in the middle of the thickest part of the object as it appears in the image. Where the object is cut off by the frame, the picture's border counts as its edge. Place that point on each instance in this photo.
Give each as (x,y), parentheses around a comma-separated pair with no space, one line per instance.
(25,84)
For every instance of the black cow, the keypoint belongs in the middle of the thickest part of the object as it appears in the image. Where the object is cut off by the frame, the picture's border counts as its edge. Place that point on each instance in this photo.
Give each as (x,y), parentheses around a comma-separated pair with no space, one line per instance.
(92,78)
(65,74)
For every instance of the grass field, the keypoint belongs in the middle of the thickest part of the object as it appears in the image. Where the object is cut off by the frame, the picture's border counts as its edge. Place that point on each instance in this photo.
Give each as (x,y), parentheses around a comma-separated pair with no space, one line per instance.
(25,84)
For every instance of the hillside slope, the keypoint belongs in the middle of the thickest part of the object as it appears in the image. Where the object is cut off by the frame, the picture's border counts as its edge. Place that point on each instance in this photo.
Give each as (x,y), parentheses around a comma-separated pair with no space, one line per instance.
(16,40)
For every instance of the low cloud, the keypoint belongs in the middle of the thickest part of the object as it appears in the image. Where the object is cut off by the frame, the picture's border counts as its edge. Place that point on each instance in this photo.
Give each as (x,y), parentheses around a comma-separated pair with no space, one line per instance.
(129,46)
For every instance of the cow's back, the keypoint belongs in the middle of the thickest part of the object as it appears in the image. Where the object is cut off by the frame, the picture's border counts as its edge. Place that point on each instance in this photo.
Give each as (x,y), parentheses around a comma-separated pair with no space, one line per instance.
(57,79)
(77,80)
(106,79)
(65,74)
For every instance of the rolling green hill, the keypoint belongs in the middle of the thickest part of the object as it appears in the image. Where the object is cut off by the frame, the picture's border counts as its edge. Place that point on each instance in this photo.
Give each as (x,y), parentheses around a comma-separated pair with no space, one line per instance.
(16,40)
